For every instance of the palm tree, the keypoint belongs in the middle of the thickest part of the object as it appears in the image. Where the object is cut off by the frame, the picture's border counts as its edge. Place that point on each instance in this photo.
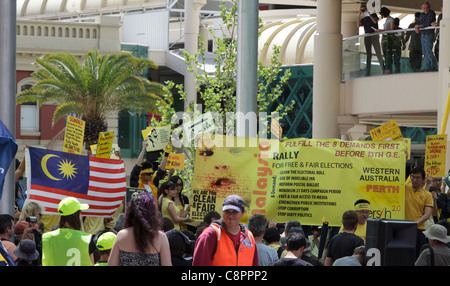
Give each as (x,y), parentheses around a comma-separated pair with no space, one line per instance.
(101,85)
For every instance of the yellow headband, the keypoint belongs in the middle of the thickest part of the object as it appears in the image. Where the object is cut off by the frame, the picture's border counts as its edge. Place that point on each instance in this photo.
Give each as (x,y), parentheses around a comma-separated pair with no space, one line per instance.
(362,206)
(147,171)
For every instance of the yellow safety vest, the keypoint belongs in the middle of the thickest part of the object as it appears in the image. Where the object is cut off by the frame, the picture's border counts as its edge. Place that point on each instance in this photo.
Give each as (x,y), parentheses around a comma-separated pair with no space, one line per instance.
(66,247)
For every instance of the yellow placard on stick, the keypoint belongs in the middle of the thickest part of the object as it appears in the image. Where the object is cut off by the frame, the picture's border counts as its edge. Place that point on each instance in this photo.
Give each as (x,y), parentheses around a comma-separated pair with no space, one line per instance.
(309,180)
(175,161)
(386,132)
(74,135)
(104,145)
(157,137)
(435,155)
(408,147)
(113,155)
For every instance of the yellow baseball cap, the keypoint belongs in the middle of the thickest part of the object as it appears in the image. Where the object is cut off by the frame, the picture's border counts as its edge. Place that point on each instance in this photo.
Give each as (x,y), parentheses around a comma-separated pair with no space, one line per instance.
(106,240)
(70,205)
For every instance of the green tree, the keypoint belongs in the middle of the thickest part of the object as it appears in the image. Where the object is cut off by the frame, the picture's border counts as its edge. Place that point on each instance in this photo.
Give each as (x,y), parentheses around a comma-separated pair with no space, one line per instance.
(218,89)
(102,84)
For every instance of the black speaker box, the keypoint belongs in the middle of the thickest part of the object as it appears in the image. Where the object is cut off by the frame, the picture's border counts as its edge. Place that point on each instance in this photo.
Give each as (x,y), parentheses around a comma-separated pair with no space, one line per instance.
(395,241)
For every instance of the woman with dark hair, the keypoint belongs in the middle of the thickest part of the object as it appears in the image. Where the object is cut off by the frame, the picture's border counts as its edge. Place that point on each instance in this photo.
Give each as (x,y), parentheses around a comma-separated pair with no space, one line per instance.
(141,242)
(387,40)
(170,209)
(181,200)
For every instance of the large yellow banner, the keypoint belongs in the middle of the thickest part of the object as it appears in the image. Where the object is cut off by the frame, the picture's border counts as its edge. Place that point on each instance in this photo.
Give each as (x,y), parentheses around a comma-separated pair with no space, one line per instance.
(300,179)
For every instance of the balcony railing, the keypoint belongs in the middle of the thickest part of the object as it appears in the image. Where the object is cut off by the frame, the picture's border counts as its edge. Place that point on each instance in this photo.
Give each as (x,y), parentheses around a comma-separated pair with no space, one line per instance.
(394,51)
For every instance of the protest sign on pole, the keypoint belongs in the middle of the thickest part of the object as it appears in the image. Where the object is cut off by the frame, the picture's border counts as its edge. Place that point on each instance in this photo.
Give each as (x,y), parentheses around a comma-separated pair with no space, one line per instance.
(114,148)
(104,144)
(276,129)
(74,135)
(435,155)
(386,132)
(157,137)
(175,161)
(303,179)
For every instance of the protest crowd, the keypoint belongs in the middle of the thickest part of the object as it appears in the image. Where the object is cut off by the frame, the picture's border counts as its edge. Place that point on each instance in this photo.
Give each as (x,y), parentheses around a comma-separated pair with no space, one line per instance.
(154,228)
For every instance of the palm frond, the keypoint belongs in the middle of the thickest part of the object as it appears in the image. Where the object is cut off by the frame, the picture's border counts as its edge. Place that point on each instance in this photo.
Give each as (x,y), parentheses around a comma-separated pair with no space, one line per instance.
(66,108)
(102,83)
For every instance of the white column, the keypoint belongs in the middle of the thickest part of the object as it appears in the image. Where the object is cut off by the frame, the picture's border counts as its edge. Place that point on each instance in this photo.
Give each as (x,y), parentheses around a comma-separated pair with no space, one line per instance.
(327,69)
(191,31)
(444,71)
(349,19)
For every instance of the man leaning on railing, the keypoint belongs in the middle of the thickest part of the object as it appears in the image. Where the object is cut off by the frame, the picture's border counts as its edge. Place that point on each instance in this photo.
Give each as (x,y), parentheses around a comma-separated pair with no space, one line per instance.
(427,19)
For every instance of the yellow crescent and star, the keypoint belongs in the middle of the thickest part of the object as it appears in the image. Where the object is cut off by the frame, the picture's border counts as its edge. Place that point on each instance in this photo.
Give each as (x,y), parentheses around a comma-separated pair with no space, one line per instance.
(66,168)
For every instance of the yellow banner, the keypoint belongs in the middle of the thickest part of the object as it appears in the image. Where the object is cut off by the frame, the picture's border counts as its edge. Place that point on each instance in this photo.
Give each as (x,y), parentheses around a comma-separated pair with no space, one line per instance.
(435,155)
(74,135)
(303,179)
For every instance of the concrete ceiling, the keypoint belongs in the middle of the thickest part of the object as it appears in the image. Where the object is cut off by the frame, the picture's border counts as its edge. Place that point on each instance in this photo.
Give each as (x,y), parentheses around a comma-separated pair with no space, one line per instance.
(403,5)
(43,7)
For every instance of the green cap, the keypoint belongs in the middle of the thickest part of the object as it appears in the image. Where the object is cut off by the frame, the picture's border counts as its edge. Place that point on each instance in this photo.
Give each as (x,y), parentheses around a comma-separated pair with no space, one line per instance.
(70,205)
(106,240)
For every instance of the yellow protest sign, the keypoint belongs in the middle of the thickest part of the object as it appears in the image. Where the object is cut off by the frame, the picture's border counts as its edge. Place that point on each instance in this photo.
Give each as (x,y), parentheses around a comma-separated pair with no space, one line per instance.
(175,161)
(303,179)
(276,129)
(104,144)
(157,137)
(74,135)
(435,155)
(115,147)
(386,132)
(408,147)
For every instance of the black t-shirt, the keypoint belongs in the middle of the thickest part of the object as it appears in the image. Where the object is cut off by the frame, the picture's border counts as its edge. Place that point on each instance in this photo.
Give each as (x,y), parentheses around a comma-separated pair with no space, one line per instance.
(369,25)
(343,244)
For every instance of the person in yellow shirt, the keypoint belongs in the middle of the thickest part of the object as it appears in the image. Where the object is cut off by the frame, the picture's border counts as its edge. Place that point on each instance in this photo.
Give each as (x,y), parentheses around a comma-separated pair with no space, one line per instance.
(418,204)
(362,207)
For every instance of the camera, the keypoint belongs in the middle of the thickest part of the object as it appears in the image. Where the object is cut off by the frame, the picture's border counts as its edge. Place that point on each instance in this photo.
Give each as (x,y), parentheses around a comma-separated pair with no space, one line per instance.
(31,219)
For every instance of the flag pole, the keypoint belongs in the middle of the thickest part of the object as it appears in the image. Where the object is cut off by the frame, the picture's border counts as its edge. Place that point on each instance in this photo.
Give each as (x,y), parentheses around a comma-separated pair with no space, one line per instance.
(8,92)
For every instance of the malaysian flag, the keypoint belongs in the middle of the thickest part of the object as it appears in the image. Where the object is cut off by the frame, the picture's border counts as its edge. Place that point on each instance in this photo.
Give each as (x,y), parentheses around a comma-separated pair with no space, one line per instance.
(53,175)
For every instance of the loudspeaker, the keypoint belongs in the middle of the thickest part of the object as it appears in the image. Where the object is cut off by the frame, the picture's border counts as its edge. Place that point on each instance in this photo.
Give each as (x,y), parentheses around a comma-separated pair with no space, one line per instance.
(393,240)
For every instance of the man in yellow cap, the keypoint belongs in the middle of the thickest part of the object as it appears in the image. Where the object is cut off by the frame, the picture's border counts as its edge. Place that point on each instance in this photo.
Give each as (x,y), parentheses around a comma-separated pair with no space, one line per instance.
(68,245)
(104,244)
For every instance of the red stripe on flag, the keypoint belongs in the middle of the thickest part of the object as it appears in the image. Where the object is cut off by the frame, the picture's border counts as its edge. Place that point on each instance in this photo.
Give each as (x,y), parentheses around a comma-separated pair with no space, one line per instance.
(76,195)
(51,210)
(105,190)
(105,170)
(106,161)
(97,207)
(44,199)
(107,180)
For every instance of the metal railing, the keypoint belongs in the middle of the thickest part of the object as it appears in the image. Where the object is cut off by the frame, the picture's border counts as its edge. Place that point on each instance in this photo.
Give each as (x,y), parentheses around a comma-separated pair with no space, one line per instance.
(393,51)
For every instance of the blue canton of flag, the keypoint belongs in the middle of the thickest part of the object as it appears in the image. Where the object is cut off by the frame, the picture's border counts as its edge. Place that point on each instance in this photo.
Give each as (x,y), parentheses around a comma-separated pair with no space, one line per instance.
(57,170)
